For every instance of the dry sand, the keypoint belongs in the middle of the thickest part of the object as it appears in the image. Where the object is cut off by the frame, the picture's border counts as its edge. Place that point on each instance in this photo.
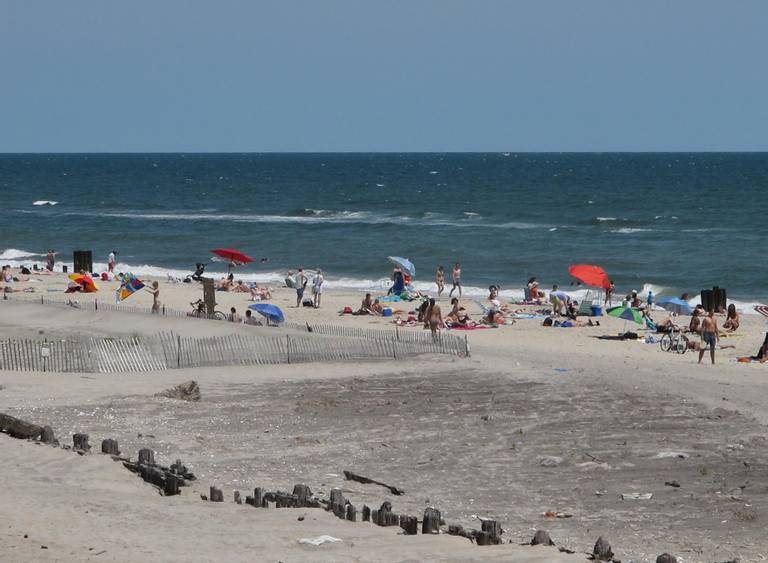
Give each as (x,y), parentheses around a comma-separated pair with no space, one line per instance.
(469,436)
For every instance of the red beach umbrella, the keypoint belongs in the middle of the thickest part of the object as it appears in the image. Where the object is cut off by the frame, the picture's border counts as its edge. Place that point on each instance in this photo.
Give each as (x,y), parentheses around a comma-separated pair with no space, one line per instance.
(590,275)
(232,255)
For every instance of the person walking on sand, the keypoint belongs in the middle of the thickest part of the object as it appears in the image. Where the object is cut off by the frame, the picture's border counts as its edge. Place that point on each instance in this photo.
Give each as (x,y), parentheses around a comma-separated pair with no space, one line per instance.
(111,262)
(709,335)
(440,281)
(317,288)
(300,283)
(456,276)
(155,291)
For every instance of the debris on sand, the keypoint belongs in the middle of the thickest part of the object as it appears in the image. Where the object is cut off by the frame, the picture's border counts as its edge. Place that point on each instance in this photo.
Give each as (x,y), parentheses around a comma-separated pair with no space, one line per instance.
(187,391)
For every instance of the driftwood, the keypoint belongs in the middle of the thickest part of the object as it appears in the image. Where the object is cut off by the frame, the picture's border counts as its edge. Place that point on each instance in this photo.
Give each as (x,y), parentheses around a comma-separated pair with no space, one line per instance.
(365,480)
(167,479)
(19,428)
(187,391)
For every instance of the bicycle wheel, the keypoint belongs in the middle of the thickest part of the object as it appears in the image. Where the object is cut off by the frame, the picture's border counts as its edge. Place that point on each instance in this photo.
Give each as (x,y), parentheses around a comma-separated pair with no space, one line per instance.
(681,346)
(666,342)
(219,316)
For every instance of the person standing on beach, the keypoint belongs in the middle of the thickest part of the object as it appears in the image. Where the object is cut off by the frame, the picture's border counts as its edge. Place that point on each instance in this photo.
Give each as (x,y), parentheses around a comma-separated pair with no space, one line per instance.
(50,260)
(609,294)
(440,281)
(111,262)
(456,276)
(300,283)
(434,317)
(155,291)
(709,335)
(317,288)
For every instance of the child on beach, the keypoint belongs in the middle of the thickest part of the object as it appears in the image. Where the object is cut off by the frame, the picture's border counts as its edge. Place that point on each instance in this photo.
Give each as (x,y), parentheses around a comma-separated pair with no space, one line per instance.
(155,291)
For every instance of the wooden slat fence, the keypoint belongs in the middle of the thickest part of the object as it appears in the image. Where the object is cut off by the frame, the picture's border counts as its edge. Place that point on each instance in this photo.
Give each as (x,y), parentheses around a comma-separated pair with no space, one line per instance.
(169,350)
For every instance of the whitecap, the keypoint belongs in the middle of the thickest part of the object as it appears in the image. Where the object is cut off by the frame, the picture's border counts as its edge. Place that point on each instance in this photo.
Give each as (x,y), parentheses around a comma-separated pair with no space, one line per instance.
(603,219)
(14,253)
(630,230)
(45,202)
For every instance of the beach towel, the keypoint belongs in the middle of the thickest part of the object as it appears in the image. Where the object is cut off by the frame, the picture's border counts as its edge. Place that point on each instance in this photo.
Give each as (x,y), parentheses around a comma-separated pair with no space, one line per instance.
(470,327)
(390,298)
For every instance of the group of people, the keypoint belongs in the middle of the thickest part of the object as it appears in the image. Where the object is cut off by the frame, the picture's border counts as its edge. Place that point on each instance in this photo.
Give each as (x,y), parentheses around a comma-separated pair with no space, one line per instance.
(455,279)
(299,283)
(257,292)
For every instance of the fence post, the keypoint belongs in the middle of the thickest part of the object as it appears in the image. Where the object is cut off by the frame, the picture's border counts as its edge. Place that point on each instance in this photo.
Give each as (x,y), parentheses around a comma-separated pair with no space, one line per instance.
(178,350)
(466,346)
(394,348)
(96,302)
(288,347)
(163,310)
(397,332)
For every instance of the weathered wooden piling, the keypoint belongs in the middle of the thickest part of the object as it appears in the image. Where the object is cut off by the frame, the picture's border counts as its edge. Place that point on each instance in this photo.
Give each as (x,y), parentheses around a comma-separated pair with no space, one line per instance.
(80,442)
(602,550)
(431,522)
(146,456)
(541,537)
(216,494)
(47,436)
(494,531)
(110,446)
(410,525)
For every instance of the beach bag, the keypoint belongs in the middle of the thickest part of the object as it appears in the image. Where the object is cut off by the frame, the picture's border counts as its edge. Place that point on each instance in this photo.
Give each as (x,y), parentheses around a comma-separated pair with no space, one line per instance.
(347,310)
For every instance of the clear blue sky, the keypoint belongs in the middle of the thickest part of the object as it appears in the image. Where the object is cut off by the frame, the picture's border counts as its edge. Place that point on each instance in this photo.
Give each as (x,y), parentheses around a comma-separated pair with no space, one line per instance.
(359,75)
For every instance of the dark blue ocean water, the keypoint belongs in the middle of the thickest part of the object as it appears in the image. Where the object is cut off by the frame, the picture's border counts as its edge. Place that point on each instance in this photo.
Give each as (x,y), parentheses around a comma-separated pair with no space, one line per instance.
(678,221)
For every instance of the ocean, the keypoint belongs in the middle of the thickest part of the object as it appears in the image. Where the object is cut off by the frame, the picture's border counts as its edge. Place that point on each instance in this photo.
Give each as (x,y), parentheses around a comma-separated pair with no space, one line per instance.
(672,222)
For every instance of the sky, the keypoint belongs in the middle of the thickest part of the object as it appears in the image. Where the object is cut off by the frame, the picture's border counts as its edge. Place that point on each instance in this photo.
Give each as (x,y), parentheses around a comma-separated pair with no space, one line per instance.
(395,75)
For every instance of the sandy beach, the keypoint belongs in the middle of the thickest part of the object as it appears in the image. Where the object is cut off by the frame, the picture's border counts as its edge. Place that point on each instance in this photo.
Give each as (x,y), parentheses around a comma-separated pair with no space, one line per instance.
(537,420)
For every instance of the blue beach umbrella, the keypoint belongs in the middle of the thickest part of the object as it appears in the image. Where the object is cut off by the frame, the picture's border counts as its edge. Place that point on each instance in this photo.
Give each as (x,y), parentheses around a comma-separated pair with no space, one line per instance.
(271,312)
(675,305)
(404,264)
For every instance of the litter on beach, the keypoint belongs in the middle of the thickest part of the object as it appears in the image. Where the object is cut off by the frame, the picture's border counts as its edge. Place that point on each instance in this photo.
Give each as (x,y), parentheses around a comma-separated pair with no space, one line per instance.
(320,540)
(636,496)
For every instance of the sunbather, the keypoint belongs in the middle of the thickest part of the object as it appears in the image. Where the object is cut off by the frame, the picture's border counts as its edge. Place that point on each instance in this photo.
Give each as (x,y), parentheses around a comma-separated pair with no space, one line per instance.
(732,321)
(367,306)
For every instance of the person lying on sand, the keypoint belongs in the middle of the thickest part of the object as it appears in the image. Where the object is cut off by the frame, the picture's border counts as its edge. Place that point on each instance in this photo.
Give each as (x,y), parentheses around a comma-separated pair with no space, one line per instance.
(259,293)
(732,321)
(696,345)
(240,287)
(226,284)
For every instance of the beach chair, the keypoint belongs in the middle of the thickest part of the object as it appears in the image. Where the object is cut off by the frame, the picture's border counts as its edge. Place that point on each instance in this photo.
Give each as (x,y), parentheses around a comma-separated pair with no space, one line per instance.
(585,306)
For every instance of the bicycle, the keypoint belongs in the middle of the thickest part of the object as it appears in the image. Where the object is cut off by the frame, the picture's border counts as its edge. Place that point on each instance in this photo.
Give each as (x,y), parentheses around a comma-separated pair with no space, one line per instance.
(198,310)
(674,341)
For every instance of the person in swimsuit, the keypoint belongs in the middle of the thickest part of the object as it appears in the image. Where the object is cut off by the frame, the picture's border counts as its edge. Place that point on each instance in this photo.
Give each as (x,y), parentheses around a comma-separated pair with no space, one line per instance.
(440,281)
(732,321)
(709,335)
(435,317)
(155,291)
(50,260)
(609,294)
(456,276)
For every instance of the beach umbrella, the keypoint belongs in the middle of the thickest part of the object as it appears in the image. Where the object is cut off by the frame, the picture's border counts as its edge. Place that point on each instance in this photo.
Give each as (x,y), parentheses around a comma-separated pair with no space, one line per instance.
(675,305)
(627,313)
(235,257)
(86,282)
(404,264)
(271,312)
(590,275)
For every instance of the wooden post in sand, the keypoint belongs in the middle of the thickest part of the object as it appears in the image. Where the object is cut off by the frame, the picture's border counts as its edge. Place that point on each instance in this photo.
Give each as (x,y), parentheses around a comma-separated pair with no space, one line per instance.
(258,497)
(109,446)
(351,513)
(80,442)
(288,347)
(47,436)
(366,513)
(493,528)
(410,525)
(146,456)
(431,522)
(216,494)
